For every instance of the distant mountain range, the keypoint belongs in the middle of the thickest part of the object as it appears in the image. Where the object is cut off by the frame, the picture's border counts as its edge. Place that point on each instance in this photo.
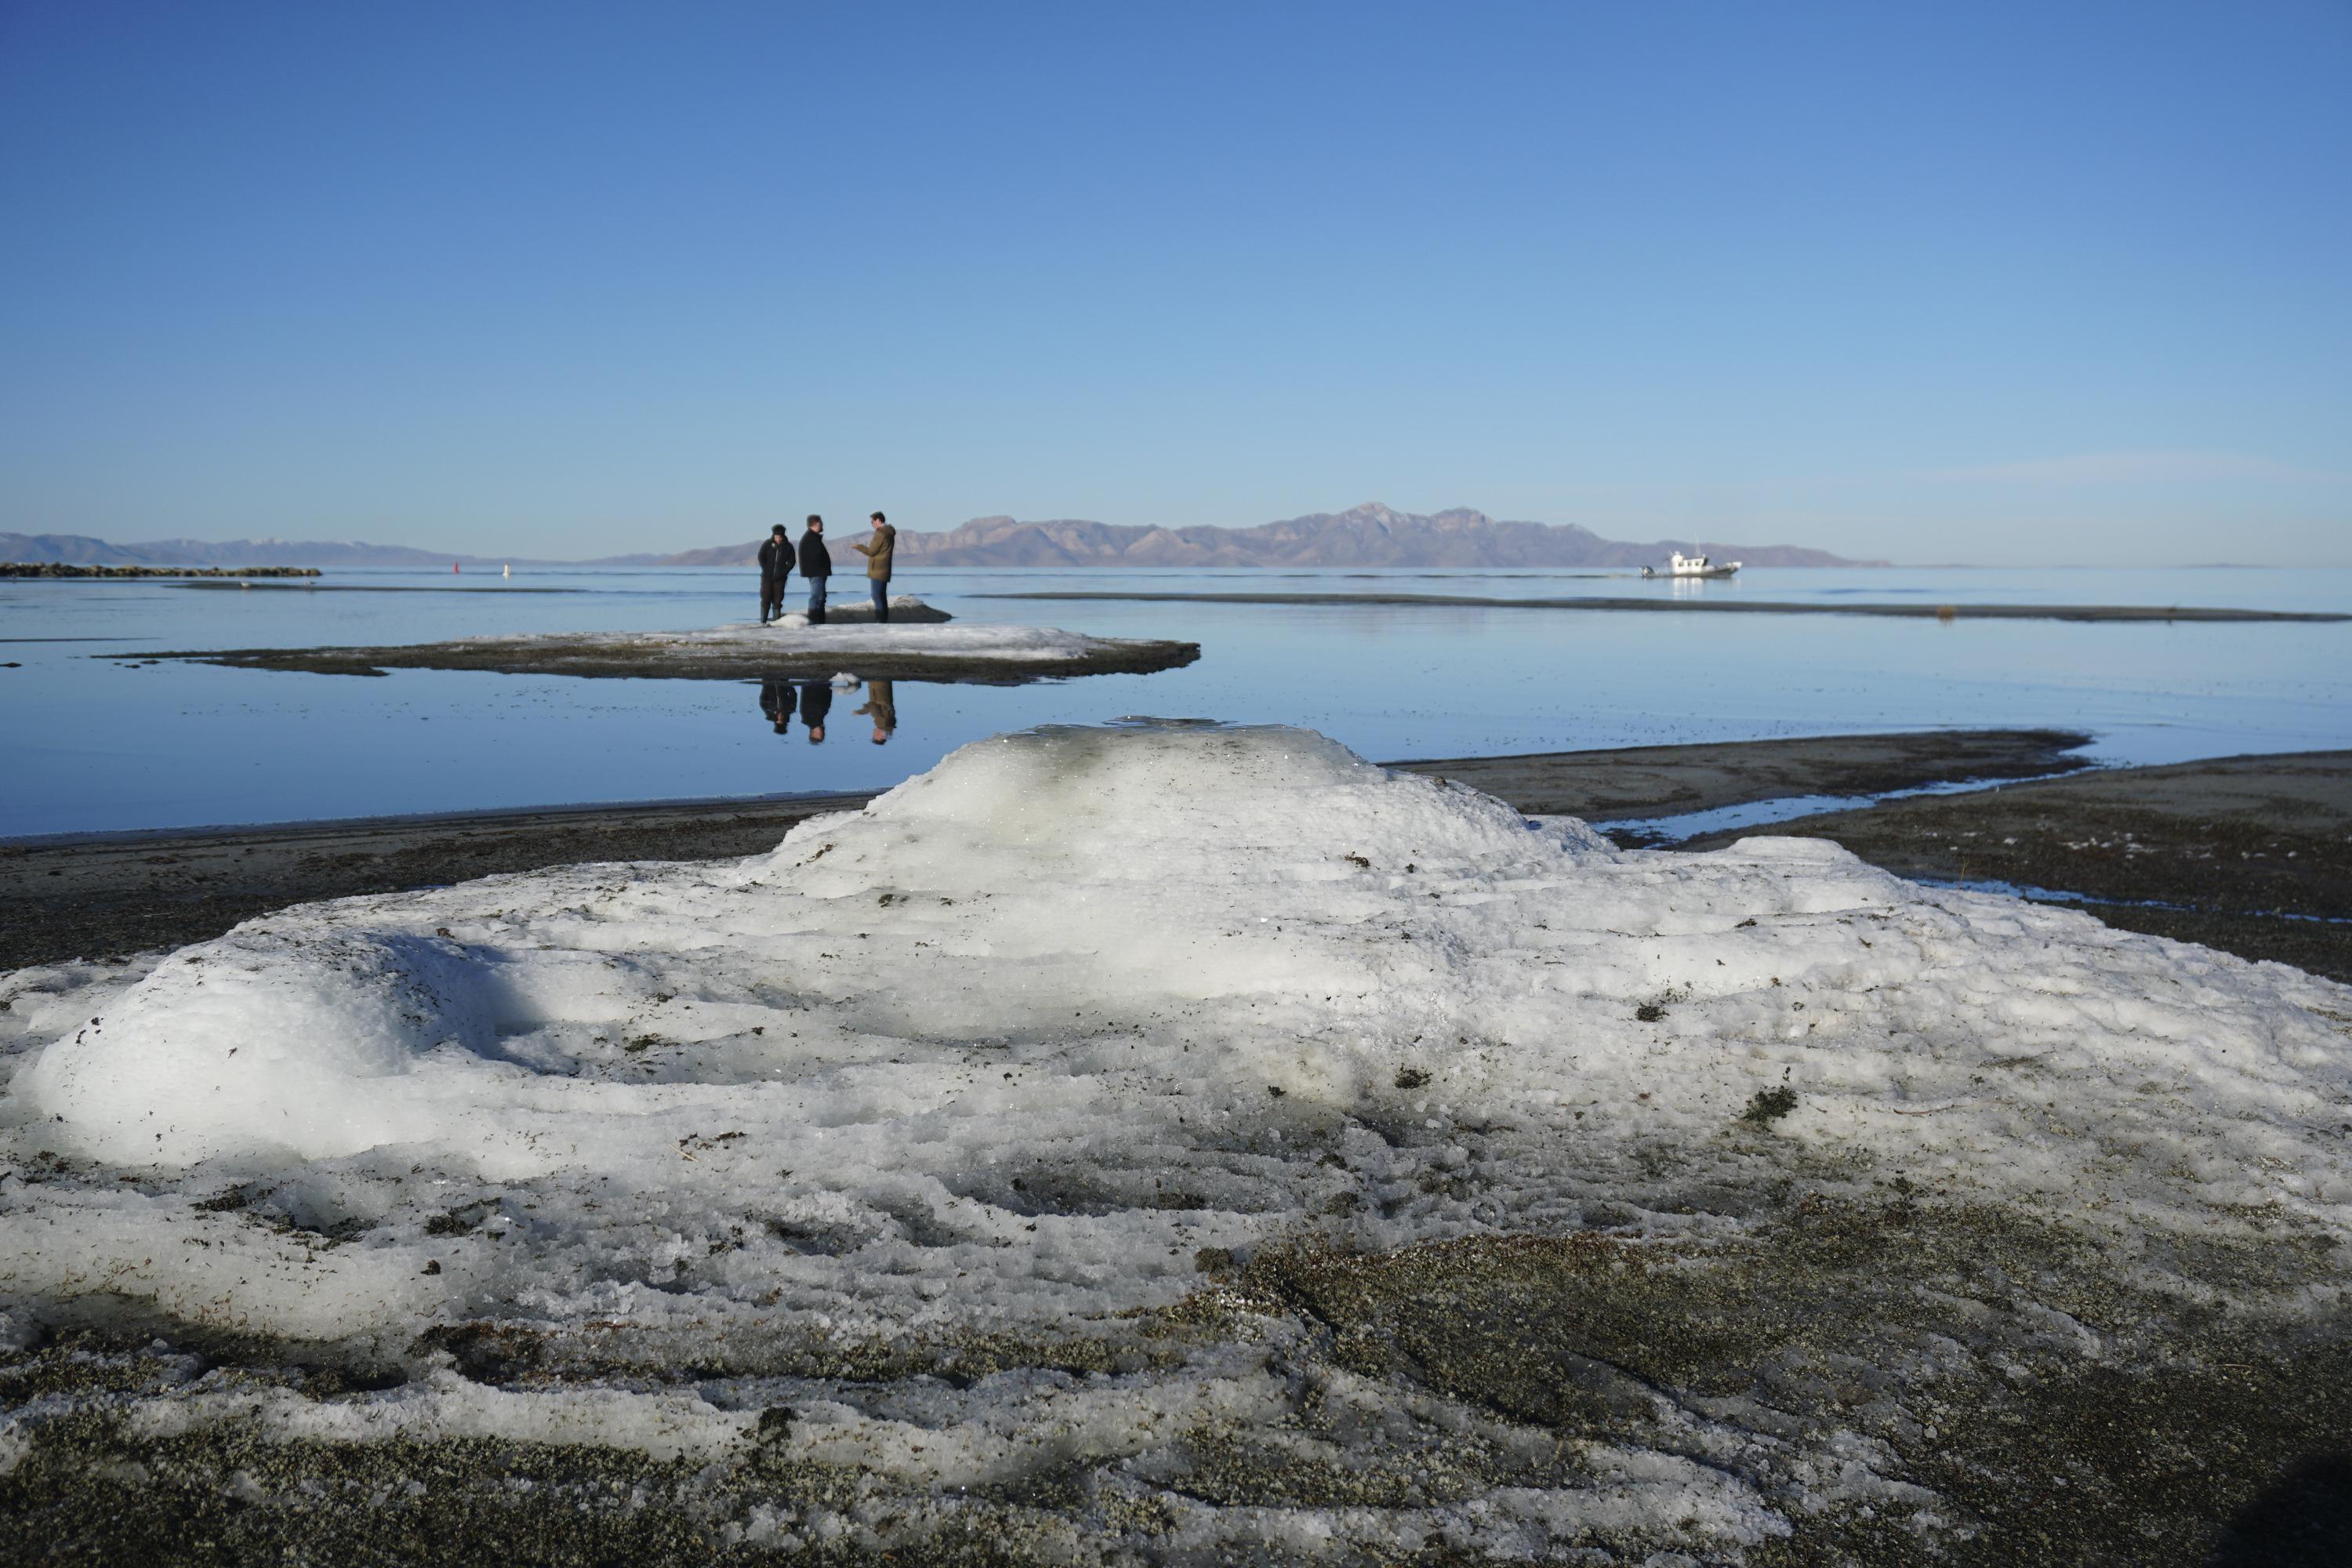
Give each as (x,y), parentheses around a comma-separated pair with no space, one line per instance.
(81,549)
(1367,536)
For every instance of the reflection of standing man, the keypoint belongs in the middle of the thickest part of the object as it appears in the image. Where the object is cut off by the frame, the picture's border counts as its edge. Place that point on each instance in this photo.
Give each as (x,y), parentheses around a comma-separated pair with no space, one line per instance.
(876,552)
(884,706)
(776,703)
(817,565)
(817,701)
(775,565)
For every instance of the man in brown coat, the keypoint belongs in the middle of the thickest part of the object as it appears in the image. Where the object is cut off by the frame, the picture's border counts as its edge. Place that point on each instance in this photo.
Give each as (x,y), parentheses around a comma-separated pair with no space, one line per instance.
(876,550)
(882,704)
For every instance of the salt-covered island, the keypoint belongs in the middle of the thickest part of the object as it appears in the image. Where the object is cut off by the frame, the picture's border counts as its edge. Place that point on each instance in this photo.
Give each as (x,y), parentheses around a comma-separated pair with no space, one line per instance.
(915,645)
(1171,1142)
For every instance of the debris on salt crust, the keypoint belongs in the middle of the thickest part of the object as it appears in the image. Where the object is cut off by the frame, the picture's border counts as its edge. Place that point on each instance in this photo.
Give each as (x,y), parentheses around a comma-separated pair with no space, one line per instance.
(1037,1037)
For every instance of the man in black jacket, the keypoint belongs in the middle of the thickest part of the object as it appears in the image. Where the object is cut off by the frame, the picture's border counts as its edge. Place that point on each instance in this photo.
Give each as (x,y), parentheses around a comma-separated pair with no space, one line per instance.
(776,700)
(817,701)
(775,565)
(817,565)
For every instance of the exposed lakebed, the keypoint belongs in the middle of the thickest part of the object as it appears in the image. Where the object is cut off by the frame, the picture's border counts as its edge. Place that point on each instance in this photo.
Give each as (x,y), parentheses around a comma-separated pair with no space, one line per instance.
(1456,1189)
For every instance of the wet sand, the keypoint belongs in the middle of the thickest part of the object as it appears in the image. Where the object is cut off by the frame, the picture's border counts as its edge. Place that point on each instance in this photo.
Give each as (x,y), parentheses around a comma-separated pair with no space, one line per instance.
(94,895)
(1726,606)
(1664,781)
(2233,849)
(102,894)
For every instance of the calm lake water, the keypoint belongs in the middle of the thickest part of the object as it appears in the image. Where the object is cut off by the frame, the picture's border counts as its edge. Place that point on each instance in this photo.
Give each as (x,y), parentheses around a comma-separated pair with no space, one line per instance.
(89,744)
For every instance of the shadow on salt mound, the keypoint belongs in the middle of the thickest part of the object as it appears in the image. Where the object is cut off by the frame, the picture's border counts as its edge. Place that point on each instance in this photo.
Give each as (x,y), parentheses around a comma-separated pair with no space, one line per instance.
(261,1040)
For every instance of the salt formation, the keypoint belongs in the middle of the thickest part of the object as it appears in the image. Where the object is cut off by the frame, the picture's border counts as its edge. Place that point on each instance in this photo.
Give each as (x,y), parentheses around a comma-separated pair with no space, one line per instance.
(843,633)
(1034,1038)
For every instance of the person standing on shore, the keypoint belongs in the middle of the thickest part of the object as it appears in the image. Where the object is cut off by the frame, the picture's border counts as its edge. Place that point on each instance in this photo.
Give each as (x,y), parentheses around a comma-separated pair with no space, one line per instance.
(817,565)
(775,567)
(876,552)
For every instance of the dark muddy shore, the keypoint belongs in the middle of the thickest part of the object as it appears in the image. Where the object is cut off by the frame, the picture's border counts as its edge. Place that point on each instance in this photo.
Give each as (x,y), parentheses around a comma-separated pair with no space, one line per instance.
(105,894)
(109,894)
(605,657)
(2251,855)
(2142,613)
(1664,781)
(2240,843)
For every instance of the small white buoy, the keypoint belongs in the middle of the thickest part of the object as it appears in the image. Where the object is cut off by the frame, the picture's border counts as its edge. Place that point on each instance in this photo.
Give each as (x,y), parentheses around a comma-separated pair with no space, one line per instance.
(508,571)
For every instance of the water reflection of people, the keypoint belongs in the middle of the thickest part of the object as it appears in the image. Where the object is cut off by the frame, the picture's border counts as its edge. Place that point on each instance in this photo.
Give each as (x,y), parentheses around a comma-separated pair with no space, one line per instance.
(882,704)
(776,703)
(817,701)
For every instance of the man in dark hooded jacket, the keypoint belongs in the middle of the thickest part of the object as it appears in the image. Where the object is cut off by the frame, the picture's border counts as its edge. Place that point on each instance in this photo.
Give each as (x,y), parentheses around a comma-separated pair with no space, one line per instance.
(775,565)
(817,565)
(817,701)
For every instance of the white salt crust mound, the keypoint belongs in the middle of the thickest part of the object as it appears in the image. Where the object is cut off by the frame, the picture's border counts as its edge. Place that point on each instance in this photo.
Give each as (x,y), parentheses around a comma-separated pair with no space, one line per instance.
(1006,1047)
(1074,939)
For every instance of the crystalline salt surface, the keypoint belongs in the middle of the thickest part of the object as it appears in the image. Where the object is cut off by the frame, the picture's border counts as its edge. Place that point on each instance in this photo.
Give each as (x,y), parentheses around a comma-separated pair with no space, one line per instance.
(1104,948)
(1014,1042)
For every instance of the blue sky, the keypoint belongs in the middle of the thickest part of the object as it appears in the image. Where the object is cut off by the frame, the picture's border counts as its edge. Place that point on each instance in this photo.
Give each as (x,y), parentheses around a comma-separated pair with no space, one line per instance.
(1986,282)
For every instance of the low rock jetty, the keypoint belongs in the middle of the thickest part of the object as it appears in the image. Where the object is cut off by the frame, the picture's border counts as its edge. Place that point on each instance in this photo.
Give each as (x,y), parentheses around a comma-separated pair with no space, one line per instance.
(63,569)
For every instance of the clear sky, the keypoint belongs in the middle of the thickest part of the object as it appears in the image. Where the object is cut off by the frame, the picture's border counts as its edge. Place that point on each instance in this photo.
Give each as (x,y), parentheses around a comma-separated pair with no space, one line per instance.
(1956,282)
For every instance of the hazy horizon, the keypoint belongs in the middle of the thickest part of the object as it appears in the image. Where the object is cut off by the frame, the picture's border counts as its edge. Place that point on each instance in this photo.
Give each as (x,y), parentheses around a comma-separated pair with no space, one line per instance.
(2012,285)
(835,527)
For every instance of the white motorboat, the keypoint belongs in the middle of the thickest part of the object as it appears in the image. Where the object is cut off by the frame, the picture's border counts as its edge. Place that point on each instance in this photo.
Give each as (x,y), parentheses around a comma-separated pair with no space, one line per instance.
(1682,565)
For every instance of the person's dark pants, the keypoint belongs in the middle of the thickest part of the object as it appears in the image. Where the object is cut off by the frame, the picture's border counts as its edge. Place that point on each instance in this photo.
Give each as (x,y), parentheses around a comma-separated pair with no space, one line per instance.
(816,601)
(881,586)
(772,598)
